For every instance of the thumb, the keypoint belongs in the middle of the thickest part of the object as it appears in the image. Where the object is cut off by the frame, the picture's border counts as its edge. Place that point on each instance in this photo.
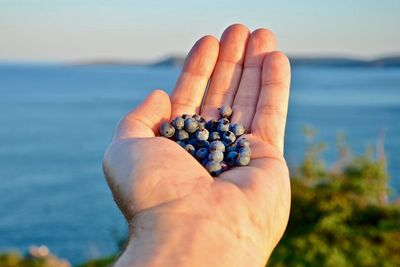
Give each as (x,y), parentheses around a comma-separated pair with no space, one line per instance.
(145,120)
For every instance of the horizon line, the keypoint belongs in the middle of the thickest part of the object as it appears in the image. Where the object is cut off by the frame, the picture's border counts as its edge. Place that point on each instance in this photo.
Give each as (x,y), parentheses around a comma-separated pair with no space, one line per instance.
(118,60)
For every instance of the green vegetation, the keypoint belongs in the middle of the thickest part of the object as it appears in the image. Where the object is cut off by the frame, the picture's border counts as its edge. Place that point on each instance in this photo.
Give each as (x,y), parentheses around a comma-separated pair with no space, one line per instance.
(340,215)
(103,262)
(14,259)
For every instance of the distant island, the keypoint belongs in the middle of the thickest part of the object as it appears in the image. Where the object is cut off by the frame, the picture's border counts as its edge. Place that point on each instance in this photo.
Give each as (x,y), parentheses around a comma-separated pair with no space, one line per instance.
(308,61)
(177,61)
(343,62)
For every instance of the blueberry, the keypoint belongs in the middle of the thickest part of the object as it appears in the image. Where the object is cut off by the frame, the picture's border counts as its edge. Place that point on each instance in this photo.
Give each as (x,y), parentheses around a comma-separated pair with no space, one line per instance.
(230,158)
(201,143)
(216,156)
(191,125)
(225,111)
(178,123)
(212,125)
(181,143)
(214,168)
(191,141)
(190,148)
(223,120)
(202,153)
(245,151)
(202,134)
(242,160)
(214,136)
(198,118)
(181,135)
(204,161)
(216,146)
(231,148)
(202,125)
(228,137)
(238,129)
(223,125)
(243,142)
(167,130)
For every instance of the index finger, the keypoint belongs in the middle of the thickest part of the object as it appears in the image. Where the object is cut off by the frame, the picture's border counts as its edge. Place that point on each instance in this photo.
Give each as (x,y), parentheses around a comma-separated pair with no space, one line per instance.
(196,72)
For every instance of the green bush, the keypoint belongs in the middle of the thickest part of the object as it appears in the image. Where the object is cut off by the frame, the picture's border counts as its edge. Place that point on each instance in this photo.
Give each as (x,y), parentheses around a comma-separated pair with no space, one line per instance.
(103,262)
(14,259)
(340,216)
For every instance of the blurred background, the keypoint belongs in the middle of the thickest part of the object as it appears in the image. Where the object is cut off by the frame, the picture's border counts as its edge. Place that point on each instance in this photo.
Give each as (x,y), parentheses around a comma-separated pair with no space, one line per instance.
(70,69)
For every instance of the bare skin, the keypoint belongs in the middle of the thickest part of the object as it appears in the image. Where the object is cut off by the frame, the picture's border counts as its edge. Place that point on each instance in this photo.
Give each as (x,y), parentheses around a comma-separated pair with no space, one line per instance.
(178,214)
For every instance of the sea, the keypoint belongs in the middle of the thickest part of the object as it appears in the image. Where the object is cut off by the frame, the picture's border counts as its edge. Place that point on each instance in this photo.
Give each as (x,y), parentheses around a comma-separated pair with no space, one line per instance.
(57,120)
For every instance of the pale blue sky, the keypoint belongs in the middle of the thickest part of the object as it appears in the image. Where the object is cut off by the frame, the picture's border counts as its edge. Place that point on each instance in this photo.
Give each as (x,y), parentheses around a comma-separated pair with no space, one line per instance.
(69,30)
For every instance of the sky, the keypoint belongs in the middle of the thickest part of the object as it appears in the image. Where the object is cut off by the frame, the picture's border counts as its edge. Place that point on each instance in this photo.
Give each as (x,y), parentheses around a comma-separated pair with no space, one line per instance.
(76,30)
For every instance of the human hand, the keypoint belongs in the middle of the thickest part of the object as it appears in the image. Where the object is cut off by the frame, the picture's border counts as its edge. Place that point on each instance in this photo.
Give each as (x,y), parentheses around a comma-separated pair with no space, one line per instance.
(178,214)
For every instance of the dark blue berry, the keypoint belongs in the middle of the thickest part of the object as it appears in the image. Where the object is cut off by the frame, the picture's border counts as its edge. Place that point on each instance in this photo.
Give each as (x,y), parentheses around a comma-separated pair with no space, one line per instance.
(167,130)
(198,118)
(202,153)
(204,161)
(201,125)
(245,151)
(216,146)
(190,148)
(178,123)
(238,129)
(212,125)
(224,121)
(230,148)
(243,142)
(181,143)
(228,137)
(191,125)
(225,111)
(223,125)
(216,156)
(181,135)
(230,158)
(214,168)
(191,141)
(201,143)
(214,136)
(242,160)
(202,134)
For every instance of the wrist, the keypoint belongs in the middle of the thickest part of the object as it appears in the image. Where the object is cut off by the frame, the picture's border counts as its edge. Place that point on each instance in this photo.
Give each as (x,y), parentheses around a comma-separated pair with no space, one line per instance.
(171,239)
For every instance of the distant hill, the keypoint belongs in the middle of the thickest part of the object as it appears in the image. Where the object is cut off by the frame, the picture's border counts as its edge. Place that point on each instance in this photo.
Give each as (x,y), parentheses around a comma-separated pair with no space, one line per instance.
(343,62)
(173,61)
(111,62)
(307,61)
(178,61)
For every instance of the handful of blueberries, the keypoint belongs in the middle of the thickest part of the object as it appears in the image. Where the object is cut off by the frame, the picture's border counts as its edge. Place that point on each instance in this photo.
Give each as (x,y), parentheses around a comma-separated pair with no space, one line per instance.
(214,143)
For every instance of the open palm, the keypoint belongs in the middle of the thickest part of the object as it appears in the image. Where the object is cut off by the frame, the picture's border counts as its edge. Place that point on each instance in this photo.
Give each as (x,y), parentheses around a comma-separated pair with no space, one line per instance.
(153,175)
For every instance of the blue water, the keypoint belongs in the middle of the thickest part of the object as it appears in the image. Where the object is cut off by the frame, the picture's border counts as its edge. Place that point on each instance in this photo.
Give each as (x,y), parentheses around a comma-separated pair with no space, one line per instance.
(56,121)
